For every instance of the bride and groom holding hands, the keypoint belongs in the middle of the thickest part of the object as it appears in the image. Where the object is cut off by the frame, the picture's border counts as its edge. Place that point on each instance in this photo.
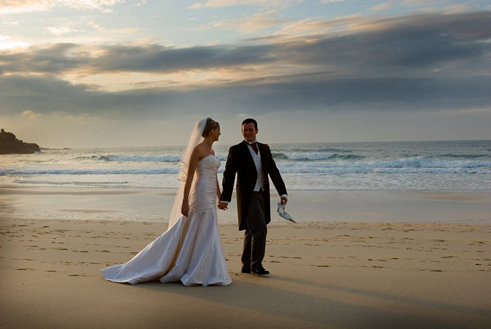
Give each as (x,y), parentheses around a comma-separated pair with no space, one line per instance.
(190,250)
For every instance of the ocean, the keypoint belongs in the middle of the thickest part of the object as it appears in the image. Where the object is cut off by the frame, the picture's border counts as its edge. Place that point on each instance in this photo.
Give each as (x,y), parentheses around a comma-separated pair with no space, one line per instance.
(435,165)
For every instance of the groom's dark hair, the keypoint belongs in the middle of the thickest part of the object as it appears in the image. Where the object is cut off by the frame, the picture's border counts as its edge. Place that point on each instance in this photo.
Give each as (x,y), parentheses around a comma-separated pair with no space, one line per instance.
(250,120)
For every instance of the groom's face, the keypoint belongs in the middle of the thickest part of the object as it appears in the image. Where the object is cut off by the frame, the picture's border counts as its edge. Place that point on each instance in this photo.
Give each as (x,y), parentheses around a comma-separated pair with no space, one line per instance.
(249,132)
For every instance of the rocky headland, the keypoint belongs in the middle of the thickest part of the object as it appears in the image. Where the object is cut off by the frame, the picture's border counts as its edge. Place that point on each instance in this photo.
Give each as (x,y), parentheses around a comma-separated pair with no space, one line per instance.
(9,144)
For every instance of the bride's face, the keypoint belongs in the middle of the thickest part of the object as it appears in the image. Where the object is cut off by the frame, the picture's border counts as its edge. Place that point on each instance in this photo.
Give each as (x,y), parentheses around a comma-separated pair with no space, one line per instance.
(215,133)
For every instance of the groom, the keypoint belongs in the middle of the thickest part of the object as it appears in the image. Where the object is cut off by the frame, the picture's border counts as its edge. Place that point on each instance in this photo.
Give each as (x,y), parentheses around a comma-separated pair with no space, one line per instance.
(252,162)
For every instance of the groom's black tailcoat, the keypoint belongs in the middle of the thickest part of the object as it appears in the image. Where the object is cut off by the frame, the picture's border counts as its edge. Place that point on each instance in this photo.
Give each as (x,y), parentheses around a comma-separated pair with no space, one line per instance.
(240,161)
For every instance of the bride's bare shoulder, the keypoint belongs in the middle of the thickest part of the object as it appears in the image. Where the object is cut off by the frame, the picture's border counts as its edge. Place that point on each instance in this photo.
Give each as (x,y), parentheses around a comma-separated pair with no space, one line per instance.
(201,151)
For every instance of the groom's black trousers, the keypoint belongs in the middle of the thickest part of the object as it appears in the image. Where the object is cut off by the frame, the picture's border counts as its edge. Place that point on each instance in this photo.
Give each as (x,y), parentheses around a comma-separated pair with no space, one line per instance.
(255,234)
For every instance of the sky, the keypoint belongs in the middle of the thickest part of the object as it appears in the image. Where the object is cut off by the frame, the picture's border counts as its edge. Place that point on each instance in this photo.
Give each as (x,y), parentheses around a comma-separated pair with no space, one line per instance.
(121,73)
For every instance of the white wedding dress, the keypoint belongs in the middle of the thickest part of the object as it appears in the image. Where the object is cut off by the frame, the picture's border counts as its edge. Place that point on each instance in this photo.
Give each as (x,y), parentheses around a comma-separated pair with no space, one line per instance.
(190,250)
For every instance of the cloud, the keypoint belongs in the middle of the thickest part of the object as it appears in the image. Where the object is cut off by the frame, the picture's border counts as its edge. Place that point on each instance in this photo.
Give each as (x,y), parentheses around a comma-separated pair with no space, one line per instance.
(60,58)
(315,93)
(426,6)
(53,59)
(417,45)
(426,62)
(95,26)
(250,24)
(6,44)
(30,114)
(229,3)
(60,30)
(313,26)
(332,1)
(27,6)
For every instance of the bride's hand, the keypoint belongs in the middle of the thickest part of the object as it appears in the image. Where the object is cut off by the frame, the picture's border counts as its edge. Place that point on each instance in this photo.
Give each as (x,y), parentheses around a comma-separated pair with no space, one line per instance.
(185,209)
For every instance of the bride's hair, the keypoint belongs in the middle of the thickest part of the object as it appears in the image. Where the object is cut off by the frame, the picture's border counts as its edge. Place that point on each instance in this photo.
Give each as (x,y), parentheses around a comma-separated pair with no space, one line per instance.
(209,126)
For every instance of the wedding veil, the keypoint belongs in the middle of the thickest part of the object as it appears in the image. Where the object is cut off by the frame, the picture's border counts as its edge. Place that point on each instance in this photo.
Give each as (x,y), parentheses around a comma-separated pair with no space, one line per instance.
(194,140)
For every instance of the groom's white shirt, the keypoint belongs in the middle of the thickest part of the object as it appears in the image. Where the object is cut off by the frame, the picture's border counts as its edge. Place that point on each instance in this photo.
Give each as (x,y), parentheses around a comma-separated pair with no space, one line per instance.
(259,168)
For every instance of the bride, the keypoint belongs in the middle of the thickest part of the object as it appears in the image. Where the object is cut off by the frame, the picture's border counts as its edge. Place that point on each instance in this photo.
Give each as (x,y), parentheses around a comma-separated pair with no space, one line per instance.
(189,251)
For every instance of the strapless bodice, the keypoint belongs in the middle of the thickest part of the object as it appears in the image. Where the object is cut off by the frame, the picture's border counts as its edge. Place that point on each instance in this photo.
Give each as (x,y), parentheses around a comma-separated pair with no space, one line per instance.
(206,183)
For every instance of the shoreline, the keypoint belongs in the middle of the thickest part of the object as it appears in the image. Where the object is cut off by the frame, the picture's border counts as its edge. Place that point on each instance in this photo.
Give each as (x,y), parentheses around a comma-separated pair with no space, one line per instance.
(154,205)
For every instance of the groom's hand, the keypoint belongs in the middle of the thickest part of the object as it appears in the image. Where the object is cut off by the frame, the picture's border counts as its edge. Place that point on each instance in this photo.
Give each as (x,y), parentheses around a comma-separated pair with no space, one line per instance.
(284,200)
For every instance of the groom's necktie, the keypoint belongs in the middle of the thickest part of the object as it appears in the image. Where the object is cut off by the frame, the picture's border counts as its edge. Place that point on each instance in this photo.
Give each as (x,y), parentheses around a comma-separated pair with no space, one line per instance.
(254,147)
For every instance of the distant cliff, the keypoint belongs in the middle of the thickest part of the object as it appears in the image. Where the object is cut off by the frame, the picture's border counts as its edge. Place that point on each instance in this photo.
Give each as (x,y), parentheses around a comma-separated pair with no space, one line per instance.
(9,144)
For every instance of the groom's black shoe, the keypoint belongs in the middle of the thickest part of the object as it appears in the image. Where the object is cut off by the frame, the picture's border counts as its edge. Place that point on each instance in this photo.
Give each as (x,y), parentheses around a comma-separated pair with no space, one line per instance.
(246,270)
(259,271)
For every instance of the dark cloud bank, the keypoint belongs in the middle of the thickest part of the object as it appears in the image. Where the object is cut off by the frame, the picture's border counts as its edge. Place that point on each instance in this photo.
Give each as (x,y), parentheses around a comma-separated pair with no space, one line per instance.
(420,62)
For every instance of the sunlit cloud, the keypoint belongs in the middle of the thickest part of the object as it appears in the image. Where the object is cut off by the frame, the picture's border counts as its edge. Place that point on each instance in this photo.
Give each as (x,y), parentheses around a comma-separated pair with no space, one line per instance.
(90,4)
(428,6)
(27,6)
(59,30)
(141,3)
(229,3)
(391,4)
(30,114)
(94,25)
(7,44)
(108,33)
(316,26)
(332,1)
(251,24)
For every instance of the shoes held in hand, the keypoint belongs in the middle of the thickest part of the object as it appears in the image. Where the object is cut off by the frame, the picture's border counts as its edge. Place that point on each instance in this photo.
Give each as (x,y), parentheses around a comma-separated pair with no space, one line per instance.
(283,213)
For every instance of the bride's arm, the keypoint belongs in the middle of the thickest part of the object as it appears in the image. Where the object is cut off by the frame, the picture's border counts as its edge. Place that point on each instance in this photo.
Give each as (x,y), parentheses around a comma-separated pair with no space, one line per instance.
(193,162)
(218,191)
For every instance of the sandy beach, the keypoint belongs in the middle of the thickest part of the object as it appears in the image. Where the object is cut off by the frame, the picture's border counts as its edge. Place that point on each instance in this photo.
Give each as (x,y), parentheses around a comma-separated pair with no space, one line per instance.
(354,259)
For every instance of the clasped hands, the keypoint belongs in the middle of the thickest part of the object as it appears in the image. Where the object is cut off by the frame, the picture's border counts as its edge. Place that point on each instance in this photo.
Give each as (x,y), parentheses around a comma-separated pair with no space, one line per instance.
(224,205)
